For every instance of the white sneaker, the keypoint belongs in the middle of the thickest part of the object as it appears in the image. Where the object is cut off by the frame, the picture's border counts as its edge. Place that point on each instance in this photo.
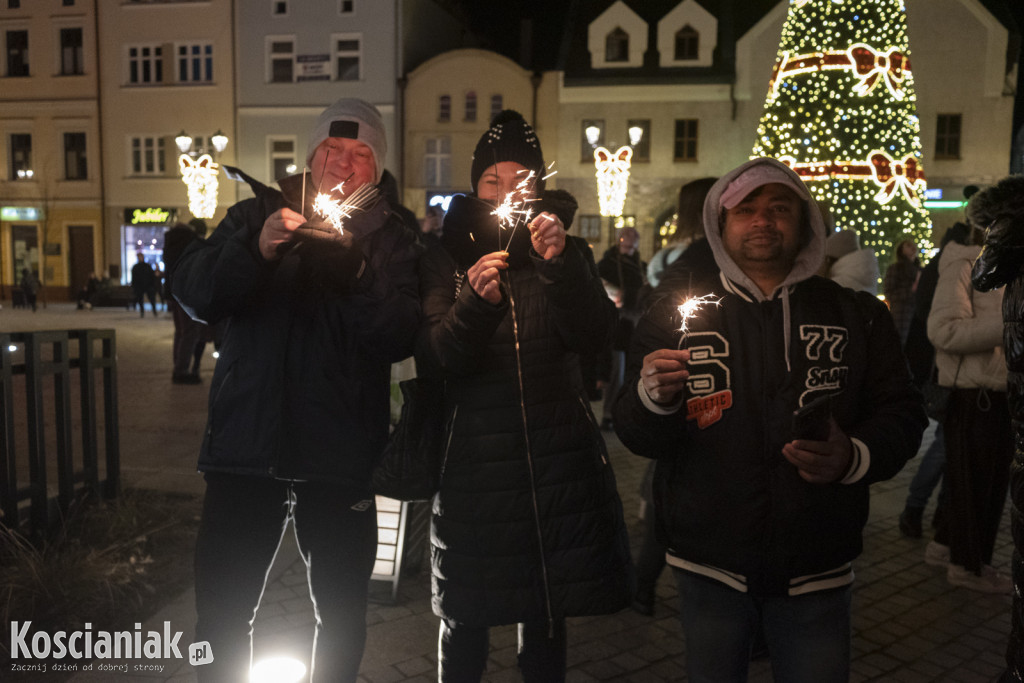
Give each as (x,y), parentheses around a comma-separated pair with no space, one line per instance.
(991,580)
(936,554)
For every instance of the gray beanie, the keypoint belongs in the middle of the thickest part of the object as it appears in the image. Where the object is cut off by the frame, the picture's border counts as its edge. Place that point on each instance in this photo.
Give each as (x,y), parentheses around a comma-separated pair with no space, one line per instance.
(351,118)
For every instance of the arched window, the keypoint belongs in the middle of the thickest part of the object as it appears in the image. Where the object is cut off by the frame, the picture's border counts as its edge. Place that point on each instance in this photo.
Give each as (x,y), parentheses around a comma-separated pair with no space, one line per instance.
(687,43)
(444,108)
(471,106)
(616,46)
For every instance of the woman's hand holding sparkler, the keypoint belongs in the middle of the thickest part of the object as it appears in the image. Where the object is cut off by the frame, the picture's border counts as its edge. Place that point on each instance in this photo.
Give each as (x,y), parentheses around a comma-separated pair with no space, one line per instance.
(278,229)
(484,276)
(821,462)
(664,374)
(548,235)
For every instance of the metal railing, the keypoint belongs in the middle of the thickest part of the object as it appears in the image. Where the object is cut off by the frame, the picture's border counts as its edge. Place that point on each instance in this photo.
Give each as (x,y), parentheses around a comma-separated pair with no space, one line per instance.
(33,438)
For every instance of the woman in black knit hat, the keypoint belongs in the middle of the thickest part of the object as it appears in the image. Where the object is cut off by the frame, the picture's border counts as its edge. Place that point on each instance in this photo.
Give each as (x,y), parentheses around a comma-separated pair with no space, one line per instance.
(527,526)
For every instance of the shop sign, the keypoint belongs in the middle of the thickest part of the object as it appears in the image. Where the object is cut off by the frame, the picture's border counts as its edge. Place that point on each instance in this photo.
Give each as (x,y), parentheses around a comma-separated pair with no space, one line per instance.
(20,213)
(313,68)
(149,216)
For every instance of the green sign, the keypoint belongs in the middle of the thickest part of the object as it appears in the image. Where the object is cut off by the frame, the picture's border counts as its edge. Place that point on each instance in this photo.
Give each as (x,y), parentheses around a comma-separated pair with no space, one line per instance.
(19,213)
(149,216)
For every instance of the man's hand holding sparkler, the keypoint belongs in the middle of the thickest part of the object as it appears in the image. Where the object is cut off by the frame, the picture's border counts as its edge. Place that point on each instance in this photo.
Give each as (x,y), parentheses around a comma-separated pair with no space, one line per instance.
(821,462)
(664,374)
(278,229)
(548,235)
(485,276)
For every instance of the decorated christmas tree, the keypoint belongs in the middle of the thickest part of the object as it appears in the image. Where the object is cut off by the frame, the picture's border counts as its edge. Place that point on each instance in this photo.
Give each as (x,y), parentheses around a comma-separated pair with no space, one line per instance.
(841,111)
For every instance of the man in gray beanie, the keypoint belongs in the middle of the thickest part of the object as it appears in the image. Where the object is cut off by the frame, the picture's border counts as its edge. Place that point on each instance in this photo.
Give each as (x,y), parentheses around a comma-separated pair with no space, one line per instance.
(300,397)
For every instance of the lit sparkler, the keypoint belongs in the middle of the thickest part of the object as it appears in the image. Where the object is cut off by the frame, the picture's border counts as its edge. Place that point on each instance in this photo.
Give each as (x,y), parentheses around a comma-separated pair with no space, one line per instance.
(336,211)
(689,308)
(514,208)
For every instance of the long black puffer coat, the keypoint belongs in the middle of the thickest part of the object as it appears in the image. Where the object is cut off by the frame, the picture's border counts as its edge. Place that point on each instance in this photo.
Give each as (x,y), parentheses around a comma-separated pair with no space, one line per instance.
(1000,209)
(527,525)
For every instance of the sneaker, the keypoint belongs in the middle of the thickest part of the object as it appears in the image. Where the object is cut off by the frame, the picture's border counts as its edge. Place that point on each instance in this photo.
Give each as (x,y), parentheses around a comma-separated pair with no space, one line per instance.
(990,580)
(936,554)
(910,522)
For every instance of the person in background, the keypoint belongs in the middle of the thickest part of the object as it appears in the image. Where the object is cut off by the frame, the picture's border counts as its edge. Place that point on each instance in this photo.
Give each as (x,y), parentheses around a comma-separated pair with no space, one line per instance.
(431,226)
(625,276)
(30,287)
(300,397)
(87,290)
(187,332)
(921,357)
(1000,210)
(689,237)
(527,526)
(899,285)
(966,329)
(763,521)
(143,284)
(849,265)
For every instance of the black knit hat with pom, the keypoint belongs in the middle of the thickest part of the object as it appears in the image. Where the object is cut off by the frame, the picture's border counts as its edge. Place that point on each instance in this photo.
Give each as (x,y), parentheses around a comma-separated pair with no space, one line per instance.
(510,138)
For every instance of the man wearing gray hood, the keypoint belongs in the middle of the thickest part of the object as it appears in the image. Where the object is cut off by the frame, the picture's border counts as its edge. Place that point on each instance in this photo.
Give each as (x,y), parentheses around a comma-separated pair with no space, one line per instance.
(762,510)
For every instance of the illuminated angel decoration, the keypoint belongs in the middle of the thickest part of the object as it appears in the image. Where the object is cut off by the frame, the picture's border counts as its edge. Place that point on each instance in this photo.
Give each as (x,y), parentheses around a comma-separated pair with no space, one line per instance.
(612,179)
(200,176)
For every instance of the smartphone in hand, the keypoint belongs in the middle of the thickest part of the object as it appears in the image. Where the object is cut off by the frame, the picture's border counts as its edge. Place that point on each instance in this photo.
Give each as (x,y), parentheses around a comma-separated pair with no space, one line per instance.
(810,422)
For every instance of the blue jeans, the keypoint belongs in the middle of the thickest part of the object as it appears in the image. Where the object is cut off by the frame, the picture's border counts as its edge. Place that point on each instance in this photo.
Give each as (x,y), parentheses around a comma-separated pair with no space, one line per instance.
(808,636)
(929,472)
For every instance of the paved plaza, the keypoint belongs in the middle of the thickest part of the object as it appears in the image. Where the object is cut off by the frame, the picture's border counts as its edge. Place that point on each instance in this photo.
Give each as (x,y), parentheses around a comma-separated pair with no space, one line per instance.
(909,624)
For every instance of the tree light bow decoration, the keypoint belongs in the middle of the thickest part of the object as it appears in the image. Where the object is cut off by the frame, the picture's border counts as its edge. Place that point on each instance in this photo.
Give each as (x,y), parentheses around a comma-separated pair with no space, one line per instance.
(200,176)
(892,175)
(612,179)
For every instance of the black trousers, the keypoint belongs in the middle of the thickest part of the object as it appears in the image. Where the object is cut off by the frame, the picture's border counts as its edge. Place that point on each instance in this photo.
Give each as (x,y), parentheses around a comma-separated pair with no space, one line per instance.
(243,521)
(462,652)
(979,449)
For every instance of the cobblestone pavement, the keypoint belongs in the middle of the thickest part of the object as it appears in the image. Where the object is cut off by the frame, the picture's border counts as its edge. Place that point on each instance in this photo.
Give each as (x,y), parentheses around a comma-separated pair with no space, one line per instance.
(909,624)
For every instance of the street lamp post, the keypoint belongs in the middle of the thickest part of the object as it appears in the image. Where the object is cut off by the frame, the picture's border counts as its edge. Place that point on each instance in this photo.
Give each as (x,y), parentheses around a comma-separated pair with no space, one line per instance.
(199,173)
(612,171)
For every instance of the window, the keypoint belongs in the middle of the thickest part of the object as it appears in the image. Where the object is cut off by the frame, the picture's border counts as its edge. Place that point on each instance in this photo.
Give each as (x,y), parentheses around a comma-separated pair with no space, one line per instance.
(71,61)
(279,8)
(616,46)
(281,57)
(444,108)
(497,105)
(947,136)
(437,168)
(282,157)
(147,156)
(347,6)
(21,156)
(642,149)
(685,148)
(13,4)
(75,166)
(590,228)
(17,53)
(68,3)
(471,106)
(145,64)
(195,63)
(588,141)
(687,43)
(346,58)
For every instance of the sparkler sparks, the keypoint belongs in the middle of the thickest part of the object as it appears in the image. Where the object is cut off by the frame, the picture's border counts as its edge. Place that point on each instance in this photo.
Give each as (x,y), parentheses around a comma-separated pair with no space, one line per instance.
(689,308)
(513,209)
(336,211)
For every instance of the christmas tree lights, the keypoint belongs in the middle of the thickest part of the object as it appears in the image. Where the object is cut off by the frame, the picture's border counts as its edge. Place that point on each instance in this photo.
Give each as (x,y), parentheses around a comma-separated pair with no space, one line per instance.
(841,111)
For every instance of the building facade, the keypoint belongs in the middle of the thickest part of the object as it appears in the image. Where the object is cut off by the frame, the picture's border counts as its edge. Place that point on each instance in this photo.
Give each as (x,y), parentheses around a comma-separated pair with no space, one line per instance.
(51,196)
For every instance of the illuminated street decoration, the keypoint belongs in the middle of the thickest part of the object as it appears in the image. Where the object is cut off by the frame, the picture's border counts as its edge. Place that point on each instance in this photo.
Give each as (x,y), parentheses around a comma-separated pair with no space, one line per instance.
(841,111)
(612,179)
(200,176)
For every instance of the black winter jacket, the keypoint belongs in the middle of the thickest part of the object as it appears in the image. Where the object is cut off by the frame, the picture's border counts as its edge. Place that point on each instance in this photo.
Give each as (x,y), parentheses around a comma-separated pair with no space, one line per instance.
(302,386)
(729,505)
(527,525)
(1001,262)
